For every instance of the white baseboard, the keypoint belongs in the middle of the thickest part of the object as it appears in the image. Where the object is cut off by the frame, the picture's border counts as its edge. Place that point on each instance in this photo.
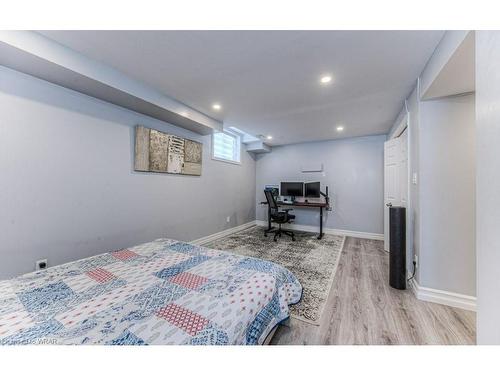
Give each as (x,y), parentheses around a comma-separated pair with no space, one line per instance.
(338,232)
(443,297)
(305,228)
(224,233)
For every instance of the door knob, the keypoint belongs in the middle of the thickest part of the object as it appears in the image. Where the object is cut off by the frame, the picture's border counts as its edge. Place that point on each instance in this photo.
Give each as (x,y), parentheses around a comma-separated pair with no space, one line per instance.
(389,204)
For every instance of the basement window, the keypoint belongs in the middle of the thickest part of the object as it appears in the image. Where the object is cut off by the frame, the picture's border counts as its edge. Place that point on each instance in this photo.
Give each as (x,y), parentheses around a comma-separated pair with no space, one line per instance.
(226,147)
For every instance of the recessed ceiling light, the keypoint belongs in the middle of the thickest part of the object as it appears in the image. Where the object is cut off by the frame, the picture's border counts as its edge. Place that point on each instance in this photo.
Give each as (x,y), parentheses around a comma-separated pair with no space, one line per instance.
(269,137)
(216,106)
(340,128)
(325,79)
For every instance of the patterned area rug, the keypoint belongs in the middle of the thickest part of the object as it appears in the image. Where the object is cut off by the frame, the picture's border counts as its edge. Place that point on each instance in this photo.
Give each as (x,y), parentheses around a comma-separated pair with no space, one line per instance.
(312,261)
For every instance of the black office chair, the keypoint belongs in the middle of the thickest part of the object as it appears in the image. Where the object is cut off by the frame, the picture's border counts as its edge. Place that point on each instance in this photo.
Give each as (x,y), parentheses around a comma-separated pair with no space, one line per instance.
(279,217)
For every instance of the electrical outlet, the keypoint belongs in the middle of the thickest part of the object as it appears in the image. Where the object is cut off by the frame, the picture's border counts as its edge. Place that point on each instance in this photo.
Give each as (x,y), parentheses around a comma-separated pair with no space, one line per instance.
(228,219)
(415,259)
(414,178)
(41,264)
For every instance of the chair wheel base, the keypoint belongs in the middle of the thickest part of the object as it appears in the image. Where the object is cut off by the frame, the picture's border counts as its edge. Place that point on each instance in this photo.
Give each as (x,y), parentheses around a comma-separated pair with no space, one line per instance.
(278,233)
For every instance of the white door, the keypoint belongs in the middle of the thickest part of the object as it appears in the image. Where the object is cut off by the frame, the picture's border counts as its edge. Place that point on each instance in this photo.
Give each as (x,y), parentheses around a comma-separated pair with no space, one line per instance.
(403,170)
(392,182)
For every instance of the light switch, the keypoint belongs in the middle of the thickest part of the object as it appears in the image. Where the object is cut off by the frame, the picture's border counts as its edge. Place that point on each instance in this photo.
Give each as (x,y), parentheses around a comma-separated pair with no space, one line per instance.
(414,178)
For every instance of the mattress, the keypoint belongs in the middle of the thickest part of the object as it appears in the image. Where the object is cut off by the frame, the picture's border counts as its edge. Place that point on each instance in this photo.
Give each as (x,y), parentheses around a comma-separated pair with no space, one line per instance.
(161,292)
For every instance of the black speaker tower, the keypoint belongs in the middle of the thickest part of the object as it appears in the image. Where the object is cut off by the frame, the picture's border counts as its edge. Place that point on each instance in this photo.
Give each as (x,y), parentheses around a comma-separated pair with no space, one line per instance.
(397,247)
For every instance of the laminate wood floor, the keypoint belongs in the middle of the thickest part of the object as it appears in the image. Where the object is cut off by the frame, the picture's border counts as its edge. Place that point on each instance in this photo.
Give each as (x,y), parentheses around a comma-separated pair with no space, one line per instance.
(363,309)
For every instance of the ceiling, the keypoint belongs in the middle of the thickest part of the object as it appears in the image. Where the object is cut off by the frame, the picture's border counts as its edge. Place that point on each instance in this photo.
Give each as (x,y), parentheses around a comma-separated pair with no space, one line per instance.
(458,75)
(267,82)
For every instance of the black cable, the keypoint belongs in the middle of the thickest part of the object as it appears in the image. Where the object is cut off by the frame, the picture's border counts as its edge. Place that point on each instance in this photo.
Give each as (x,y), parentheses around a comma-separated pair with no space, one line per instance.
(414,270)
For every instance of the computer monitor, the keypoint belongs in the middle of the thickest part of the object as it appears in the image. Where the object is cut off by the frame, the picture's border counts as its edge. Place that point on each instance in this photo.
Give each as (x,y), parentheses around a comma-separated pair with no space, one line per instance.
(312,190)
(292,189)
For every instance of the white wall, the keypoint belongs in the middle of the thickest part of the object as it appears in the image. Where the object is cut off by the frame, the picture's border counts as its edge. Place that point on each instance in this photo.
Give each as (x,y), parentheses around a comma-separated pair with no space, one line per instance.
(353,171)
(488,186)
(68,189)
(447,194)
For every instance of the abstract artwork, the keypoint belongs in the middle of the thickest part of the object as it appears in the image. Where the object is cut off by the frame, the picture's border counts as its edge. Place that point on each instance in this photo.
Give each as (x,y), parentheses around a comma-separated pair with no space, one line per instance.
(156,151)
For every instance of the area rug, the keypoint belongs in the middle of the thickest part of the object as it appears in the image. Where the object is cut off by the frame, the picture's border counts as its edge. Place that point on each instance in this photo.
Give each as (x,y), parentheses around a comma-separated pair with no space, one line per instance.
(312,261)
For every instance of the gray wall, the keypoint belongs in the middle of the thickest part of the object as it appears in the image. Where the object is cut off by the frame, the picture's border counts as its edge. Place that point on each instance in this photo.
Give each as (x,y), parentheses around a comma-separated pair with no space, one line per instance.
(68,189)
(447,194)
(413,209)
(414,155)
(488,185)
(442,204)
(353,170)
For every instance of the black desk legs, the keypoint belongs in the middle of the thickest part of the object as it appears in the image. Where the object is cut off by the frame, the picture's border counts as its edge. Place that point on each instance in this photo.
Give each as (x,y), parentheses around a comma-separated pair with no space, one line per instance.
(270,228)
(320,223)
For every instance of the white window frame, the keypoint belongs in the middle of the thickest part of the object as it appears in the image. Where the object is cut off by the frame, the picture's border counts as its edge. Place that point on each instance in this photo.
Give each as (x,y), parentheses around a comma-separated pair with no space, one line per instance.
(237,152)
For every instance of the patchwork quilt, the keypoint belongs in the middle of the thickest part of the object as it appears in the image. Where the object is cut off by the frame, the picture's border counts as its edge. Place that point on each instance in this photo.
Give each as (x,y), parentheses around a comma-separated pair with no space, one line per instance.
(161,292)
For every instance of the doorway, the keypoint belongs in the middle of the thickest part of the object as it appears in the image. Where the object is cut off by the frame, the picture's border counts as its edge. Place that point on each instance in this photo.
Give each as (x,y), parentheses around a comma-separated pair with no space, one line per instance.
(395,177)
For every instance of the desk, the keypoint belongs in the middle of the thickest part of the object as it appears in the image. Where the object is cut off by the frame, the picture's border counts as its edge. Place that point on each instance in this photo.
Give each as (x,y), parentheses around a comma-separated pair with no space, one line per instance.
(300,204)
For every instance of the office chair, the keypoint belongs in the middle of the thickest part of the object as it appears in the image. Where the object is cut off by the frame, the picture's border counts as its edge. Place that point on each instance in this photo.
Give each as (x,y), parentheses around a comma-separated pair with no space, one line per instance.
(279,217)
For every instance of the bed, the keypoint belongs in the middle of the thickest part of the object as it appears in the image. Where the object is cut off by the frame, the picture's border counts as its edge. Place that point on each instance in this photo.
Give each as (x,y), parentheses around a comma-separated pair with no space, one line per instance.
(161,292)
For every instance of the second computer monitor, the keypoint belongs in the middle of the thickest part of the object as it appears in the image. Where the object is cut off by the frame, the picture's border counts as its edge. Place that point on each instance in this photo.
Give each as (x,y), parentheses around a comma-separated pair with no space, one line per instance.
(292,189)
(312,190)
